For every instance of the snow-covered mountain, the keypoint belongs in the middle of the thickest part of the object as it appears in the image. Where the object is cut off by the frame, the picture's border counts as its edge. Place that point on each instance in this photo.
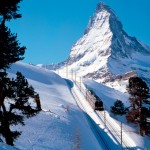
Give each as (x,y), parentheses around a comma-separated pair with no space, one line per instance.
(106,49)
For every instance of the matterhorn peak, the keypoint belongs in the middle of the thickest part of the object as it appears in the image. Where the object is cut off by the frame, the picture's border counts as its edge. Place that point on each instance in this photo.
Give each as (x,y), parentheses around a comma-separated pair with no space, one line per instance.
(103,13)
(102,6)
(106,49)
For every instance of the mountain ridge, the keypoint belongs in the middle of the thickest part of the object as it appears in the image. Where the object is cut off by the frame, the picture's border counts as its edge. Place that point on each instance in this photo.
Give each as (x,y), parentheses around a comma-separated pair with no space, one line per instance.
(105,49)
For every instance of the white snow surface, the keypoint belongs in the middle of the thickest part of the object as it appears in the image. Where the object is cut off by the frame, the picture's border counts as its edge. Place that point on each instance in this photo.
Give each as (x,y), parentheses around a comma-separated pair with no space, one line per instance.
(61,125)
(109,95)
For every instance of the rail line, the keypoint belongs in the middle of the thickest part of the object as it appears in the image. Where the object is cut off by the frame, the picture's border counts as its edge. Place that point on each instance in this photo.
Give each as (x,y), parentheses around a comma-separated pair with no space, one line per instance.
(94,126)
(123,141)
(115,133)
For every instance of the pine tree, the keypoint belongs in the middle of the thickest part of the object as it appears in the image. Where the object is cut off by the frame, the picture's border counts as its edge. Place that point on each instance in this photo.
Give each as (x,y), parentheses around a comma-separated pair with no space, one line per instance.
(4,123)
(19,92)
(138,91)
(118,108)
(21,95)
(18,89)
(137,87)
(9,10)
(10,48)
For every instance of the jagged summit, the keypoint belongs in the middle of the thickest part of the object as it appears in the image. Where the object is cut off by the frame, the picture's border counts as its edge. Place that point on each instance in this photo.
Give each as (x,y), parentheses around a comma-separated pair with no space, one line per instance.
(102,6)
(106,49)
(102,10)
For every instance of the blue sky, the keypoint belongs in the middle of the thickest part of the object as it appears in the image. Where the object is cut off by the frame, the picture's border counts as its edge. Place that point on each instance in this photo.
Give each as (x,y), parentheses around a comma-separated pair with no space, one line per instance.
(49,28)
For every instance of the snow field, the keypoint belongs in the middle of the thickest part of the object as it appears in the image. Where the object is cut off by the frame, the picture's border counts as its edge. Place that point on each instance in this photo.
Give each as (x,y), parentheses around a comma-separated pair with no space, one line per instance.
(61,125)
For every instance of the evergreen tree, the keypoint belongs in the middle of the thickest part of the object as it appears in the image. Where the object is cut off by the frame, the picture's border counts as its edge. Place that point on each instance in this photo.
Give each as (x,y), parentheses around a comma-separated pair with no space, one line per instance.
(138,113)
(4,123)
(10,50)
(19,93)
(17,90)
(118,108)
(22,92)
(9,10)
(137,87)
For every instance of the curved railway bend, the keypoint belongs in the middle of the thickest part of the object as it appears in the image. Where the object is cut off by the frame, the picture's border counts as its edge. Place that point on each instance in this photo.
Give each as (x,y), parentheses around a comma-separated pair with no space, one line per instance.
(107,131)
(102,142)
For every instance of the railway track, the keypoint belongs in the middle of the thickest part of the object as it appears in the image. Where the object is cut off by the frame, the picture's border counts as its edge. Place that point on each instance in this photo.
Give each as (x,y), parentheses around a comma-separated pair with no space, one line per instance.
(93,125)
(118,135)
(114,131)
(121,139)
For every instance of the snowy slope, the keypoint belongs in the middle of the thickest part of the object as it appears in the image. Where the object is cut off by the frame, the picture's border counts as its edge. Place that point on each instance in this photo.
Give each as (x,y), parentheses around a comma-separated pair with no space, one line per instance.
(61,125)
(109,96)
(6,147)
(106,49)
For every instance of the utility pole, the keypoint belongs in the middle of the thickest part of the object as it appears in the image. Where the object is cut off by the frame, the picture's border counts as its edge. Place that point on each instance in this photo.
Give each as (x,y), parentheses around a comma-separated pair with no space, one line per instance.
(66,70)
(86,95)
(80,83)
(72,74)
(105,118)
(121,135)
(75,77)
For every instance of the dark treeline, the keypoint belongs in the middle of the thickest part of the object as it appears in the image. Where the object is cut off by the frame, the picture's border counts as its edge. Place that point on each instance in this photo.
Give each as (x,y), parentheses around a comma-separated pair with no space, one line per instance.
(14,93)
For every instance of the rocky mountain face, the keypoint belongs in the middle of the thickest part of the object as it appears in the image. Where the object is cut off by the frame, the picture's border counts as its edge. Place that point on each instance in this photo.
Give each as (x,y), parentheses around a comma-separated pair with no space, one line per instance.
(106,50)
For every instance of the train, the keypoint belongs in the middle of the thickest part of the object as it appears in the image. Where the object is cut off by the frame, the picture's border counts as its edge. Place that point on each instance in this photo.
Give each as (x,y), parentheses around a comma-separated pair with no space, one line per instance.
(95,101)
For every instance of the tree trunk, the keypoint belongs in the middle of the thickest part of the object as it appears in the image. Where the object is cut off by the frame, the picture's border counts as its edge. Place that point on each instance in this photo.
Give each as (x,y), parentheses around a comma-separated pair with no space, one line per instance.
(38,103)
(5,128)
(140,116)
(1,94)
